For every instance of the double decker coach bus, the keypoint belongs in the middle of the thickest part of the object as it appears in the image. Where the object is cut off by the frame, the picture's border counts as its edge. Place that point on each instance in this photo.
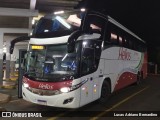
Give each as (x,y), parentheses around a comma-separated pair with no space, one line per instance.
(73,65)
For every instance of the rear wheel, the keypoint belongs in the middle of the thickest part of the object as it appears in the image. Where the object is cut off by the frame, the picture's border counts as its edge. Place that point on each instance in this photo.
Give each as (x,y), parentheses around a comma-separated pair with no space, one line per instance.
(139,78)
(105,92)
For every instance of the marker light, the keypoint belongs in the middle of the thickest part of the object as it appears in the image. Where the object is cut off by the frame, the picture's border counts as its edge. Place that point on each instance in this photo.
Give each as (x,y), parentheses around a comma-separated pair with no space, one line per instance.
(25,85)
(65,89)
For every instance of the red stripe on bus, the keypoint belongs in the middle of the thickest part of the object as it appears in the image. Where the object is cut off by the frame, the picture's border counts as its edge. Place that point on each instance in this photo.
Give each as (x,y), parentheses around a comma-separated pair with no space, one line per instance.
(47,85)
(125,79)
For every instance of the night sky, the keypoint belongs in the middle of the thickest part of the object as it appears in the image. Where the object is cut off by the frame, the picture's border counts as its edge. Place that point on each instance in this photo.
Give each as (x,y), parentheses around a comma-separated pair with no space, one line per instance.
(140,16)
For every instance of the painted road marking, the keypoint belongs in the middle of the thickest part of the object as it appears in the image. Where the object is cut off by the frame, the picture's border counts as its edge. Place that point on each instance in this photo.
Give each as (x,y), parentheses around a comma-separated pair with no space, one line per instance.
(103,113)
(56,117)
(118,104)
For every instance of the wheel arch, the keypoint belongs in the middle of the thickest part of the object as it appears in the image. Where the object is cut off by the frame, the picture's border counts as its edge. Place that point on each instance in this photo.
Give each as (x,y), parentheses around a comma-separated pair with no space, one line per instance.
(107,79)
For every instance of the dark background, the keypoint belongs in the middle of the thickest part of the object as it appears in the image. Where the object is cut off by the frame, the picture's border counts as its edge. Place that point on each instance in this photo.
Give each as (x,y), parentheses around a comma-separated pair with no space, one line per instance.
(140,16)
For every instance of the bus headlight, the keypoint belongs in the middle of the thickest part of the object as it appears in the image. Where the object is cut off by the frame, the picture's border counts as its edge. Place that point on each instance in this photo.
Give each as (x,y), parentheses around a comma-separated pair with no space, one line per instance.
(25,85)
(65,89)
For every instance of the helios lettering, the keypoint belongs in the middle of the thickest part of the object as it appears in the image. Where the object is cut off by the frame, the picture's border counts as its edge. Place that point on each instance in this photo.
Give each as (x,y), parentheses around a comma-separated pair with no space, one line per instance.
(124,54)
(45,86)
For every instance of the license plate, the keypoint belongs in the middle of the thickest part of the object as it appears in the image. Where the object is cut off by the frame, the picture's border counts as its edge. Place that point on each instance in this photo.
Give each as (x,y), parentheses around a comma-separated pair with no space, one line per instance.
(42,102)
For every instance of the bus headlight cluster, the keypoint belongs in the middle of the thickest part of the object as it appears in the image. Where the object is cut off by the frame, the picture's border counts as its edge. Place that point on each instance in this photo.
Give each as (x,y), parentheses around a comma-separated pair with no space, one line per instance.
(65,89)
(75,87)
(68,89)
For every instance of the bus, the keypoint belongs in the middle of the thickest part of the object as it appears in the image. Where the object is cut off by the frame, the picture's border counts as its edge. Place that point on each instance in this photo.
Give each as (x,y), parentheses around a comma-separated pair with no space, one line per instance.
(77,64)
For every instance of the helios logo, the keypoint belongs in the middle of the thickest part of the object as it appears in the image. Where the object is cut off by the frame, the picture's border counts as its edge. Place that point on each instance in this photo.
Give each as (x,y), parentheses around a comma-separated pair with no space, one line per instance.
(45,86)
(124,54)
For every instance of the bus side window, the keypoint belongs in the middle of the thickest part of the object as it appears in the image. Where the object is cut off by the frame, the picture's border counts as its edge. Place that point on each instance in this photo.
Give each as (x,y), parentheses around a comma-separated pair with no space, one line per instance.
(121,41)
(107,35)
(130,44)
(114,39)
(126,43)
(97,53)
(88,61)
(135,44)
(95,24)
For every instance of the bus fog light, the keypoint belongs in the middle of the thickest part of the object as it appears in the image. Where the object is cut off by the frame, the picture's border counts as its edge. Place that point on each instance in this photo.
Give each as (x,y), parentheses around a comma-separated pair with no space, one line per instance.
(65,89)
(25,85)
(69,100)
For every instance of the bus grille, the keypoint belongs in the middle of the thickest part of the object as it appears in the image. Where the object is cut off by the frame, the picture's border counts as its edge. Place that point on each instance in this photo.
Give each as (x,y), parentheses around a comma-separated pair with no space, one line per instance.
(44,92)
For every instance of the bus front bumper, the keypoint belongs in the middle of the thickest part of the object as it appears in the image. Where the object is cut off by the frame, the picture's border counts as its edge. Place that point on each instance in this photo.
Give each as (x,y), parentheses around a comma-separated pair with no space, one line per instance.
(64,100)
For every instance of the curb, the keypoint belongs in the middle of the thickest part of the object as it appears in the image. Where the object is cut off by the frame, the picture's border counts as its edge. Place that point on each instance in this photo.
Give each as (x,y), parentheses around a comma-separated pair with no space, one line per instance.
(8,84)
(13,79)
(9,80)
(8,87)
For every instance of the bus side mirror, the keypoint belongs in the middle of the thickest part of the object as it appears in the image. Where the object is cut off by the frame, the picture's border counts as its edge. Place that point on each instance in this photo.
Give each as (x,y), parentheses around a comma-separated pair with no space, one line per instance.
(16,40)
(72,40)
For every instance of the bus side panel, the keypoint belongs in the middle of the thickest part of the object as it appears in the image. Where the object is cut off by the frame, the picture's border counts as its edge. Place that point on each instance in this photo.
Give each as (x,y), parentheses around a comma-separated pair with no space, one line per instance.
(128,75)
(112,64)
(125,79)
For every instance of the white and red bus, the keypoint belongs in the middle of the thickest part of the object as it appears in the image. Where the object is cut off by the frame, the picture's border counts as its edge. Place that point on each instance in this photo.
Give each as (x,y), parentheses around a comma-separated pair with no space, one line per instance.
(70,65)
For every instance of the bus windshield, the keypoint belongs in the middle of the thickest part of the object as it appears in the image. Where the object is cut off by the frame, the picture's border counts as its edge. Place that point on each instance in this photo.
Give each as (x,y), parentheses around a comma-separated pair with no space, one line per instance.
(57,25)
(52,63)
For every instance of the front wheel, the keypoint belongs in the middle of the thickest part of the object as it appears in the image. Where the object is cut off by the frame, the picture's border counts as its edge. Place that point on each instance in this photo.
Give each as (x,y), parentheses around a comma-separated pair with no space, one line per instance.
(105,92)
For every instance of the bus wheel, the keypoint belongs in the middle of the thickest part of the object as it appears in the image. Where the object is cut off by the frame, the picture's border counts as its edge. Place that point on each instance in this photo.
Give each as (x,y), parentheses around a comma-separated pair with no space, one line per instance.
(138,82)
(105,92)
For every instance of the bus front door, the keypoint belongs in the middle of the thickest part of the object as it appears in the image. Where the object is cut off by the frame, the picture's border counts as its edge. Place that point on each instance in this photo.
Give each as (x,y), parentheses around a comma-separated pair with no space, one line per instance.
(87,79)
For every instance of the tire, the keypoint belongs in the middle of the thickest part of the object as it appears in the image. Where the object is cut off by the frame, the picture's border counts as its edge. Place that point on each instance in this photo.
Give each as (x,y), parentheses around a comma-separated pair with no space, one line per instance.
(142,76)
(138,82)
(105,92)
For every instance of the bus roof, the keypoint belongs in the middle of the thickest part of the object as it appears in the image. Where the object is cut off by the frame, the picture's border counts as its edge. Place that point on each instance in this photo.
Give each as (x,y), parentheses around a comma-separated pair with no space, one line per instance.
(110,19)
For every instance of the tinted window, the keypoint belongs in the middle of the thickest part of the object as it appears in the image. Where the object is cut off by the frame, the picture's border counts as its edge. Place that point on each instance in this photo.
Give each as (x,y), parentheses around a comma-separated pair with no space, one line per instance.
(87,61)
(56,25)
(114,35)
(90,56)
(117,36)
(95,24)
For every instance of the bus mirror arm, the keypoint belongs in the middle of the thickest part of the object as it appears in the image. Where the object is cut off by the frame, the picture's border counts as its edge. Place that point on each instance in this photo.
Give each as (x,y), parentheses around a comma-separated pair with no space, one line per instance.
(16,40)
(72,40)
